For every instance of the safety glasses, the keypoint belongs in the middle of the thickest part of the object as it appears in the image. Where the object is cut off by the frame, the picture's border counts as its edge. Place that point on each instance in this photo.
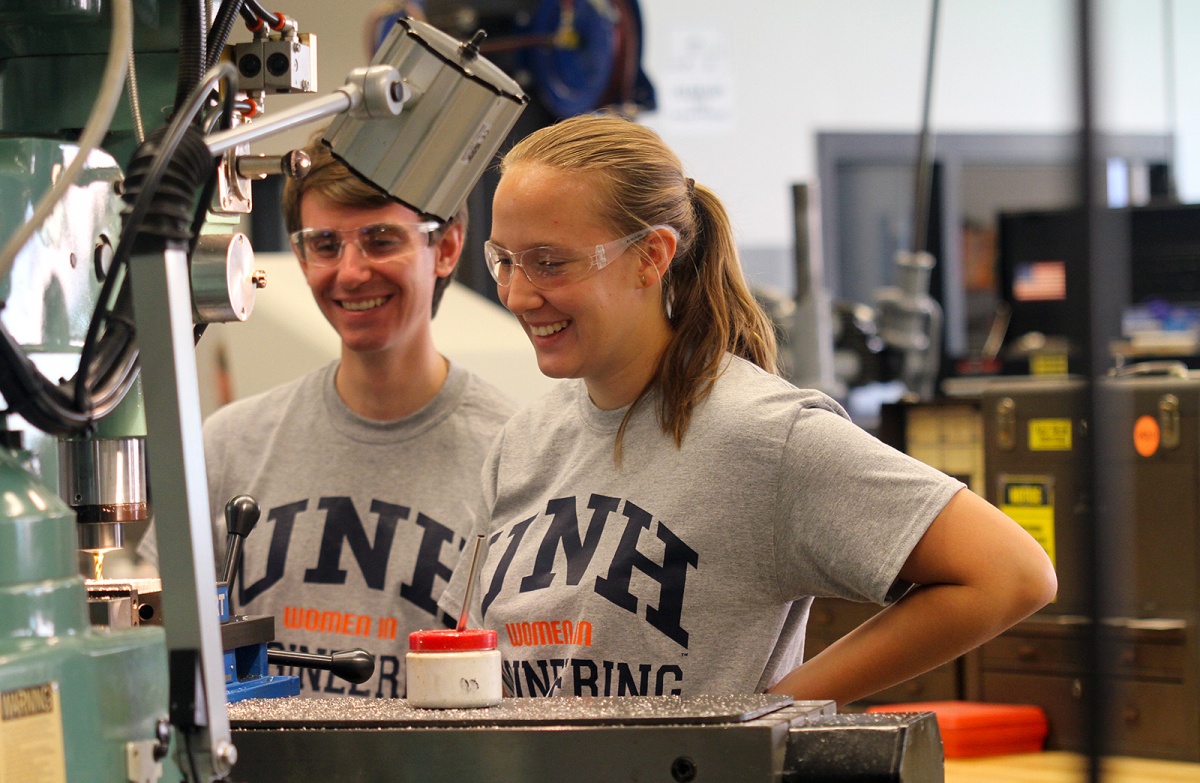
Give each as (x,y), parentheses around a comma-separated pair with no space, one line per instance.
(548,267)
(379,243)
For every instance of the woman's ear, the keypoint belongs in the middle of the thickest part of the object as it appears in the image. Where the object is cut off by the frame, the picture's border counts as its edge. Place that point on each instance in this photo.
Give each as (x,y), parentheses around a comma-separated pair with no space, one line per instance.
(660,250)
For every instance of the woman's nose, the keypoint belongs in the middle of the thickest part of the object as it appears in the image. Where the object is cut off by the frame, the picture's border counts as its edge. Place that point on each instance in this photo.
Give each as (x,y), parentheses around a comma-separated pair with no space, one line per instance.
(519,295)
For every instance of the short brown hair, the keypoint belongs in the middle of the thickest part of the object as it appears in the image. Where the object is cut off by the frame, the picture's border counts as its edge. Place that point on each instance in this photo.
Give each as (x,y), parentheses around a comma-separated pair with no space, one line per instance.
(334,180)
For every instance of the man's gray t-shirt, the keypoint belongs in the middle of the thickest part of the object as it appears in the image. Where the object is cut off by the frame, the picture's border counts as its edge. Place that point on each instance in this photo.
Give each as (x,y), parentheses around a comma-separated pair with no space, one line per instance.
(362,521)
(686,570)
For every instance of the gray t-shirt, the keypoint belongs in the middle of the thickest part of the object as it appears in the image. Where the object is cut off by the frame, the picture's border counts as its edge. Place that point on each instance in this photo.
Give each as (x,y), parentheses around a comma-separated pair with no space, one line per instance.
(685,570)
(362,521)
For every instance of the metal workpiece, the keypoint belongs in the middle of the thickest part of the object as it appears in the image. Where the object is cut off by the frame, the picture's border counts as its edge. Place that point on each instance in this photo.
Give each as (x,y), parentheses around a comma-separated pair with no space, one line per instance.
(866,748)
(120,603)
(734,739)
(224,280)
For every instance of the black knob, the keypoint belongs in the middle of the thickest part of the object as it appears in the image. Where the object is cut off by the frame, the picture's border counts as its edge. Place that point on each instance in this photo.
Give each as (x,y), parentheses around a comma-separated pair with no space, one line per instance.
(470,49)
(241,515)
(351,665)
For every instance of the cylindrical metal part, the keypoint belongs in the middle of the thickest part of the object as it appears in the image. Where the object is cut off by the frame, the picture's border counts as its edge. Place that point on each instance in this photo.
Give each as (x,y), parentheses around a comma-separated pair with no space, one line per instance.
(100,536)
(295,164)
(104,480)
(309,111)
(223,278)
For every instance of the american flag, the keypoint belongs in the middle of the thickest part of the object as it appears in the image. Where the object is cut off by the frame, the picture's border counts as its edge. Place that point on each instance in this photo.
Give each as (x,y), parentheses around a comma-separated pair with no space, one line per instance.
(1040,281)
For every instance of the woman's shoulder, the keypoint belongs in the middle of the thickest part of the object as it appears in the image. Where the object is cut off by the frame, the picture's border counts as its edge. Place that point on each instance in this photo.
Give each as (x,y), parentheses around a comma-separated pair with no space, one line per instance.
(743,385)
(550,407)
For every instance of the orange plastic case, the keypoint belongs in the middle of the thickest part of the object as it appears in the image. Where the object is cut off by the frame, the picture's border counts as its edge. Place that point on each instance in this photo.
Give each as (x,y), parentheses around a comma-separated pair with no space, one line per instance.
(971,728)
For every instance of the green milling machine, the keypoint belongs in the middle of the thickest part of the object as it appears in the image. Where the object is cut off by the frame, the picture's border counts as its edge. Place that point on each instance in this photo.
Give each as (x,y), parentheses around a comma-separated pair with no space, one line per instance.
(124,129)
(77,702)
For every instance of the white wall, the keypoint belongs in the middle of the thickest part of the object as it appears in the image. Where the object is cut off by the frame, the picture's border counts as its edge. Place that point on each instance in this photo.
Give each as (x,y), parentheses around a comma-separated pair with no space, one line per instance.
(805,66)
(788,69)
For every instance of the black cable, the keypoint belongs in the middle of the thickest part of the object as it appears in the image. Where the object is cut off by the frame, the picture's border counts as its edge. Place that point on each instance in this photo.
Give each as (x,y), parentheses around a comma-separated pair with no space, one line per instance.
(253,11)
(170,142)
(218,34)
(114,275)
(261,11)
(192,56)
(107,360)
(30,395)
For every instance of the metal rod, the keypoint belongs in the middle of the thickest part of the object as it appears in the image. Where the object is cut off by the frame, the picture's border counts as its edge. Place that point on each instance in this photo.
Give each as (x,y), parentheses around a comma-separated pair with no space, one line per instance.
(343,99)
(924,174)
(1095,698)
(466,608)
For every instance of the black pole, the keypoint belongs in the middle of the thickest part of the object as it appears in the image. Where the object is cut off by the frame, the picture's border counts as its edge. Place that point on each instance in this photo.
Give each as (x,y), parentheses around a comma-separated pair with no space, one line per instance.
(1093,699)
(924,173)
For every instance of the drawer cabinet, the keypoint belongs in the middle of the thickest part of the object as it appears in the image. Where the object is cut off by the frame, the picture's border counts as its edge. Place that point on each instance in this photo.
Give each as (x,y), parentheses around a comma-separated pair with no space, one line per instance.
(1151,700)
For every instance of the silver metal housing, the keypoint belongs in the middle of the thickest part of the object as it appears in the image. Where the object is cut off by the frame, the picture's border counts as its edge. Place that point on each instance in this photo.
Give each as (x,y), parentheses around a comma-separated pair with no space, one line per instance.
(103,472)
(459,111)
(104,481)
(224,280)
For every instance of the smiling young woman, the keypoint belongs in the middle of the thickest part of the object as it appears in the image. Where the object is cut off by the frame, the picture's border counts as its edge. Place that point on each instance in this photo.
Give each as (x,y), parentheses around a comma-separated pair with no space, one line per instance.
(677,498)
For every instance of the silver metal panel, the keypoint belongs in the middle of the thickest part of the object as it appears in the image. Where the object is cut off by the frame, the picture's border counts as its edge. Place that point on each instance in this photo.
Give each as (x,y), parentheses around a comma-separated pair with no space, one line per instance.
(460,110)
(163,315)
(728,739)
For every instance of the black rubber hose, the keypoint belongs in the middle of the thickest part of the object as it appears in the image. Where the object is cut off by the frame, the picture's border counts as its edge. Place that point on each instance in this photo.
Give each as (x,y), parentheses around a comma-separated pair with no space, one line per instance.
(222,27)
(151,163)
(192,55)
(260,11)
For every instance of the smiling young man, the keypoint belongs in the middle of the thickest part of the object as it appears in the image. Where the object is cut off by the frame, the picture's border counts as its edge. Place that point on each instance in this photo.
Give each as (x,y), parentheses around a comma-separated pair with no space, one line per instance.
(366,470)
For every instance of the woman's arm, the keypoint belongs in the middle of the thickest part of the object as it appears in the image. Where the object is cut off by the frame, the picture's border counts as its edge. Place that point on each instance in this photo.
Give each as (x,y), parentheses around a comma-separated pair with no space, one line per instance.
(977,573)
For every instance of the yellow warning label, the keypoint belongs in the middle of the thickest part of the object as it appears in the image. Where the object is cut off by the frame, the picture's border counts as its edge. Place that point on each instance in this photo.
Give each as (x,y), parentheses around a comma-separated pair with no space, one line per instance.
(1029,500)
(31,735)
(1049,434)
(1048,364)
(1038,521)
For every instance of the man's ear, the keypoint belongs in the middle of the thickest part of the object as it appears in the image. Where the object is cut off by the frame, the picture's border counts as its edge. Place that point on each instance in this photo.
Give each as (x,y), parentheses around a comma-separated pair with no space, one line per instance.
(449,247)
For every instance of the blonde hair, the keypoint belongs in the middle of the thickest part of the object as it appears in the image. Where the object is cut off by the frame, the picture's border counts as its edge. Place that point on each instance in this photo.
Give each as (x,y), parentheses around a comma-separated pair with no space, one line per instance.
(709,306)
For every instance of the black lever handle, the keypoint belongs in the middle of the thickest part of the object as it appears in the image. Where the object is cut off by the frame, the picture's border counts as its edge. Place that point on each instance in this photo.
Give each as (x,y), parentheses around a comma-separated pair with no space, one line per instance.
(241,515)
(351,665)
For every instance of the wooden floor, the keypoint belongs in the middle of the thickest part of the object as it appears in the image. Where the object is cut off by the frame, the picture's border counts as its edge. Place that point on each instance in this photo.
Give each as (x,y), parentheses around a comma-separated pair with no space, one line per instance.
(1061,767)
